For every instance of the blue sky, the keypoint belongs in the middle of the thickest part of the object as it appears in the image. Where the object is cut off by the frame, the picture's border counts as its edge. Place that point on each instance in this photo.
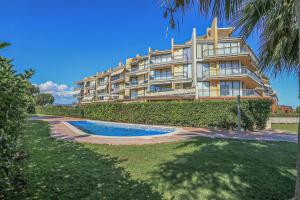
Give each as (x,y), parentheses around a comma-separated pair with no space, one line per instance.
(67,40)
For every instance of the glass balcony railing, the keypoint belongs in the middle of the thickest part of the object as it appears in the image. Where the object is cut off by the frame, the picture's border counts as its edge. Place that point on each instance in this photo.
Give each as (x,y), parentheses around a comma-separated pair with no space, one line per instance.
(161,90)
(232,72)
(170,59)
(138,69)
(119,78)
(227,92)
(137,82)
(182,75)
(223,51)
(158,78)
(91,86)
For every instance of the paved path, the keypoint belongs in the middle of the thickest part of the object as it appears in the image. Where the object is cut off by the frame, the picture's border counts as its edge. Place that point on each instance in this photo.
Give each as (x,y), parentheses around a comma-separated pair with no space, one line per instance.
(60,131)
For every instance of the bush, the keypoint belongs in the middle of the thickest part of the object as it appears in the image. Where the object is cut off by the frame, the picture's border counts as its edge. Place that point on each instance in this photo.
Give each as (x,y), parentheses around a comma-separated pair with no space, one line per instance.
(16,94)
(205,114)
(67,111)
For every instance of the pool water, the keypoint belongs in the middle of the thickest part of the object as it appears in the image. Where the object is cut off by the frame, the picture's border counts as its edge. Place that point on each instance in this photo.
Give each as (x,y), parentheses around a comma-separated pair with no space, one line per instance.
(119,130)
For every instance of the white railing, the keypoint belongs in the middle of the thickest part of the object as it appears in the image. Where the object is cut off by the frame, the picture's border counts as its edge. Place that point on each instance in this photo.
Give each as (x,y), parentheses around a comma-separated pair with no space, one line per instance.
(232,72)
(226,92)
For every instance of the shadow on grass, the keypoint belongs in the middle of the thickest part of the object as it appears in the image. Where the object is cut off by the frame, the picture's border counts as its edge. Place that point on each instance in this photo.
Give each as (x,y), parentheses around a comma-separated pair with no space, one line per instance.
(228,169)
(64,170)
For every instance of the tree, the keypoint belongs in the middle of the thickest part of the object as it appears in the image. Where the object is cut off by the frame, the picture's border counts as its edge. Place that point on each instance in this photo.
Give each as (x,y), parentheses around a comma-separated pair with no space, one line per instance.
(278,23)
(43,99)
(298,109)
(16,93)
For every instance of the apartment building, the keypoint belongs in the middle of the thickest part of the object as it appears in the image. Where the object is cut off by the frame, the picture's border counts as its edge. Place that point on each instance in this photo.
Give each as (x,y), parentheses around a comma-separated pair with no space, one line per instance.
(212,66)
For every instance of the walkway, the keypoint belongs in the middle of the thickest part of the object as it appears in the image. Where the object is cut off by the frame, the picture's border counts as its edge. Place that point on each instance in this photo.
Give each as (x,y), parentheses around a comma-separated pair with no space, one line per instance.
(60,131)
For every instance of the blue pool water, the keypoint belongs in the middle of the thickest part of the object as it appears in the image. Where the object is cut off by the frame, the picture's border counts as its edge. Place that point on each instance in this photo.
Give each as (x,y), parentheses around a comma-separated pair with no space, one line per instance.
(111,129)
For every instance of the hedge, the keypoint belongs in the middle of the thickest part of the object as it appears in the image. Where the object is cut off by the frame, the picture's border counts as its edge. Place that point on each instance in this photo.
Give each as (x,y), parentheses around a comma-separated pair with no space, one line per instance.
(67,111)
(222,114)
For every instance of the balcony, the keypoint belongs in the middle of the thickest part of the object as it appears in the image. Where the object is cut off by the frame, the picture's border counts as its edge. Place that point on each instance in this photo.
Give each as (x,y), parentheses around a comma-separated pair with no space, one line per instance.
(91,86)
(137,84)
(117,90)
(230,72)
(138,71)
(227,93)
(182,77)
(117,79)
(171,60)
(230,51)
(171,92)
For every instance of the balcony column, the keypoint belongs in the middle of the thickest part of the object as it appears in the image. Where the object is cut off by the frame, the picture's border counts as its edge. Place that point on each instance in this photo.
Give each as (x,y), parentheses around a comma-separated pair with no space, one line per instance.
(172,48)
(214,34)
(241,88)
(96,86)
(149,67)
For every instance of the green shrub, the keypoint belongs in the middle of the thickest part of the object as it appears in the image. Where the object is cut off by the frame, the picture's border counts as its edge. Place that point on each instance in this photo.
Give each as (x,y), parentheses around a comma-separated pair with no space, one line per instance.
(16,95)
(67,111)
(222,114)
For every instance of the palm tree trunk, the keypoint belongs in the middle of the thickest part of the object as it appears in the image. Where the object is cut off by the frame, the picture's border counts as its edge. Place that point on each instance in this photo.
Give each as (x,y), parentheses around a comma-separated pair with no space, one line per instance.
(297,190)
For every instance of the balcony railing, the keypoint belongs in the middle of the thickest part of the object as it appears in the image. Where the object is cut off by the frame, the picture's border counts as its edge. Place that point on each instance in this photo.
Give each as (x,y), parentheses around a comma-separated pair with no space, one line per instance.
(224,51)
(226,92)
(172,92)
(232,72)
(92,86)
(174,59)
(159,78)
(182,75)
(139,69)
(121,78)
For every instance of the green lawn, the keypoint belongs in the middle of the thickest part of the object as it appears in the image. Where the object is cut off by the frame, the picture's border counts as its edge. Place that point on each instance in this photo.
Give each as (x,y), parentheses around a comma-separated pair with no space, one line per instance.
(197,169)
(293,128)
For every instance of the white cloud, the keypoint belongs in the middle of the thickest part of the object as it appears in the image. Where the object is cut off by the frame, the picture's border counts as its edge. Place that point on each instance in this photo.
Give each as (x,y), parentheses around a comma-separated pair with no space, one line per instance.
(61,92)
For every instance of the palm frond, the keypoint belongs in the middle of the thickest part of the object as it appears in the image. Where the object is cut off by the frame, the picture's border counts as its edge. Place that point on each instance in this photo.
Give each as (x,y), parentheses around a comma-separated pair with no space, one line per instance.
(4,44)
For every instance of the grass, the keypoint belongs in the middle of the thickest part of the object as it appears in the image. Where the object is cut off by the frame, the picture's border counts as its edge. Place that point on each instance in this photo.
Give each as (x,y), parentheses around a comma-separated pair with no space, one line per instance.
(293,128)
(201,168)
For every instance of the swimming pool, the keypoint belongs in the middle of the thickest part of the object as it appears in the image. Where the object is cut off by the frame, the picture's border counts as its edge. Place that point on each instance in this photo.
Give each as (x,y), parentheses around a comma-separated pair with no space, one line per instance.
(117,129)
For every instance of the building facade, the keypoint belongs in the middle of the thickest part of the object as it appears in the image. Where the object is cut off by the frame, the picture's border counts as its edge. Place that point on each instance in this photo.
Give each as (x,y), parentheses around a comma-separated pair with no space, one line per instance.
(213,66)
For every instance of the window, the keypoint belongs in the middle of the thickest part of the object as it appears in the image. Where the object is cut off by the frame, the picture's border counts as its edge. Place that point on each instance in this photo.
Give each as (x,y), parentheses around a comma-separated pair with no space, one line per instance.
(102,81)
(187,71)
(229,88)
(208,49)
(229,67)
(134,68)
(202,69)
(160,88)
(161,59)
(204,89)
(187,53)
(161,74)
(227,48)
(133,94)
(134,80)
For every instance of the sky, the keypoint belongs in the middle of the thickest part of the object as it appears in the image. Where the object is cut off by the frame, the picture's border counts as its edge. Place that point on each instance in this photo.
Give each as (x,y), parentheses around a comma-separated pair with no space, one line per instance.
(67,40)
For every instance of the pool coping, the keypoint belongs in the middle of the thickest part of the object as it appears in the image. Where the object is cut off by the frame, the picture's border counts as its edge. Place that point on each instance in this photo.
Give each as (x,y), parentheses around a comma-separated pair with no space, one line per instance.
(81,132)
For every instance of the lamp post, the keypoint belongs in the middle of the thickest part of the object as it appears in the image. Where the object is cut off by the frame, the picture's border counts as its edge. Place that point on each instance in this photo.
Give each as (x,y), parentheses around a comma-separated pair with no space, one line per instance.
(239,112)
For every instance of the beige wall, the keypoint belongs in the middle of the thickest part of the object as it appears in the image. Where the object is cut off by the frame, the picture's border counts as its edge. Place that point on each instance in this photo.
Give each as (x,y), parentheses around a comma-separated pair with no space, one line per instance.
(178,69)
(178,52)
(140,92)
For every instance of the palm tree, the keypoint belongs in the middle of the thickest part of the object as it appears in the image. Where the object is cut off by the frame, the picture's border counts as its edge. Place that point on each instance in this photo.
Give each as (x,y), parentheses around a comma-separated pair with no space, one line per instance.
(278,23)
(3,44)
